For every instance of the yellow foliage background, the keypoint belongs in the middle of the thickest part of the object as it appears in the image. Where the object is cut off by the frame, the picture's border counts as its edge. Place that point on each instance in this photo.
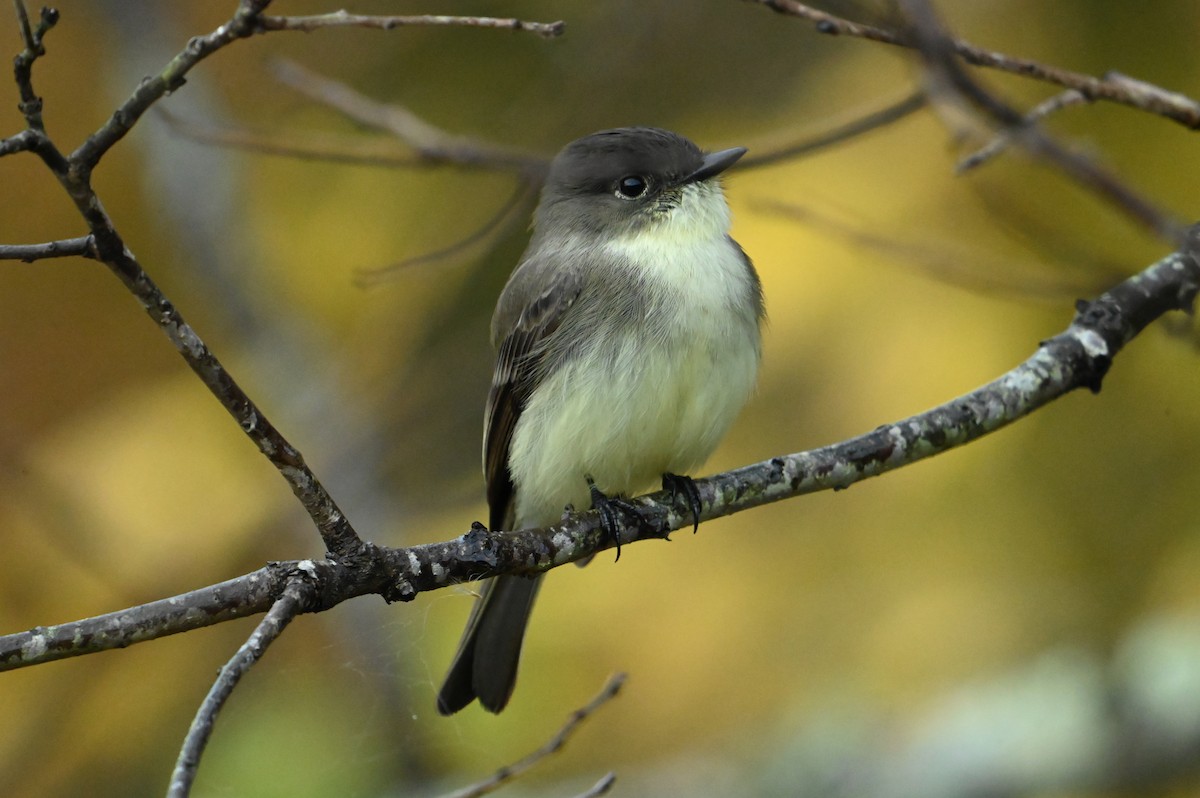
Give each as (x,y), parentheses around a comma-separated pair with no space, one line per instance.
(123,481)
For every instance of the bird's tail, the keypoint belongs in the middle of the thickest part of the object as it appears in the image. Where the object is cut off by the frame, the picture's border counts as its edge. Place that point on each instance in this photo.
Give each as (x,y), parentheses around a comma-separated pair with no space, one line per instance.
(485,666)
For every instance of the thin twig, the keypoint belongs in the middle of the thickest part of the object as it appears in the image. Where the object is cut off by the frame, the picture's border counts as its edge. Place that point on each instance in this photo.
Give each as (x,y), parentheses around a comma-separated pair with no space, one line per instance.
(601,787)
(83,246)
(1113,87)
(343,19)
(550,747)
(30,105)
(171,77)
(288,606)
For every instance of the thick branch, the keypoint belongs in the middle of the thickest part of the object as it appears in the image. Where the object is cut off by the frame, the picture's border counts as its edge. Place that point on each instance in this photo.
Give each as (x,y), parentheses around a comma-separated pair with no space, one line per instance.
(1078,357)
(237,598)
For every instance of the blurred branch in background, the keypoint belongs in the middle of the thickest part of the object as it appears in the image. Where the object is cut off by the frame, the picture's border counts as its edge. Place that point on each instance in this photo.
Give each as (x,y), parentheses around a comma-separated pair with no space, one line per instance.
(971,271)
(425,145)
(1113,87)
(552,746)
(1039,112)
(950,81)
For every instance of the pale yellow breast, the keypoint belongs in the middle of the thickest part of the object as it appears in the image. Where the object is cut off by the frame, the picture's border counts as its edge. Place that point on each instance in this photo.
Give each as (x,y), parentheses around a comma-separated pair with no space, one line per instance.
(663,407)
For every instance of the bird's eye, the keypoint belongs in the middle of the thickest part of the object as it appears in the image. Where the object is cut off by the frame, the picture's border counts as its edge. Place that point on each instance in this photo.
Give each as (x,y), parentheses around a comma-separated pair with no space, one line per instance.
(632,186)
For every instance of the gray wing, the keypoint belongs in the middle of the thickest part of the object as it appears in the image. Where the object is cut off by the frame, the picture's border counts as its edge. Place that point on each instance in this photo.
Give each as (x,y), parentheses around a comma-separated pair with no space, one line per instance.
(530,310)
(485,666)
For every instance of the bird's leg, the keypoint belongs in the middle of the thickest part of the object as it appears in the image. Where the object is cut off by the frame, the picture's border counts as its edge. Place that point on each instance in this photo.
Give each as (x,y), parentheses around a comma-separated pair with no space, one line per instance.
(678,484)
(608,507)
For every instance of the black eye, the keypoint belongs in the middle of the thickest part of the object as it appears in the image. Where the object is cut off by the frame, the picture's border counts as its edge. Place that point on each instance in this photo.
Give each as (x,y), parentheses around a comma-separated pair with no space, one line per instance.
(632,186)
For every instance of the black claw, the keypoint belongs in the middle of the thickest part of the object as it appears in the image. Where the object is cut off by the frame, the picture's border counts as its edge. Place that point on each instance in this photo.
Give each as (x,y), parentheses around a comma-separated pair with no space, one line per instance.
(686,485)
(609,507)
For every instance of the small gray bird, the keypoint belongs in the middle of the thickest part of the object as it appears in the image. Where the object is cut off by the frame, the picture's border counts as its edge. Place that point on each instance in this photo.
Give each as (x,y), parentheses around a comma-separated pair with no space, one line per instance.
(629,338)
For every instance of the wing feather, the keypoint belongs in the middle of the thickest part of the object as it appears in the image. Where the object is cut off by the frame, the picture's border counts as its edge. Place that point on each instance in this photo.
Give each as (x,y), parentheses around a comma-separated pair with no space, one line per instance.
(527,327)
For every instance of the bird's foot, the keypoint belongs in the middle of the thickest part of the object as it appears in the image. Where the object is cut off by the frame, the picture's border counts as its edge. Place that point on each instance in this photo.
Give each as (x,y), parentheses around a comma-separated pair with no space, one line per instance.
(609,507)
(678,484)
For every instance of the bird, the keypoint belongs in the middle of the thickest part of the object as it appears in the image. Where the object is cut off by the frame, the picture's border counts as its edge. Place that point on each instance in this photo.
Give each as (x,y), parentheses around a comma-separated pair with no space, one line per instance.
(629,337)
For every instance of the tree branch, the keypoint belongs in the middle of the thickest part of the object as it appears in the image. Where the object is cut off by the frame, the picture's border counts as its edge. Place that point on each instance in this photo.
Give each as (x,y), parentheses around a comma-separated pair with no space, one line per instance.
(83,247)
(242,24)
(343,19)
(287,607)
(74,174)
(1113,87)
(1078,357)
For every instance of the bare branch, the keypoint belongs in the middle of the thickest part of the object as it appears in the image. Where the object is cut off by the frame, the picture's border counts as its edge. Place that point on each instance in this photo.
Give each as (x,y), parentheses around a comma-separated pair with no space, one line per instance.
(343,19)
(84,247)
(31,105)
(601,787)
(106,245)
(550,747)
(1079,357)
(1113,87)
(287,607)
(171,77)
(236,598)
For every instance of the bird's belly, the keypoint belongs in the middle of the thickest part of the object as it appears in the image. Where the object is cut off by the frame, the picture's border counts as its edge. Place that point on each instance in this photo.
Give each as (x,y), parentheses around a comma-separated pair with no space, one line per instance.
(627,415)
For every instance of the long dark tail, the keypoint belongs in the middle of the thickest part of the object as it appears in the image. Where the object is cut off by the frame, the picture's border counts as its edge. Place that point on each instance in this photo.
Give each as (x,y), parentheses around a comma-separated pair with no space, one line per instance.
(485,666)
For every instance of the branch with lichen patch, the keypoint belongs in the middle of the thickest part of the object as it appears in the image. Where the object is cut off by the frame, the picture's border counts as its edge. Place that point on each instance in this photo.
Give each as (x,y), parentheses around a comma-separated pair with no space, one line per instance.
(1079,357)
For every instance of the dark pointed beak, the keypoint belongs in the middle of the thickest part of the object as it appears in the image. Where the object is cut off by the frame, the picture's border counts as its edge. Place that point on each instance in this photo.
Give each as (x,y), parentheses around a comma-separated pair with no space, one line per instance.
(715,163)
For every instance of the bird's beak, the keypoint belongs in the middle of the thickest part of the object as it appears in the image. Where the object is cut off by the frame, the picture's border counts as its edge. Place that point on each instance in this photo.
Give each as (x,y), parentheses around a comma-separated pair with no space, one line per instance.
(715,163)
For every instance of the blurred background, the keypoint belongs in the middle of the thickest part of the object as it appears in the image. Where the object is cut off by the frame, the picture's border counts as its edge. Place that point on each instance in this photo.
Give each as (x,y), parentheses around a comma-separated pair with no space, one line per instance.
(1021,616)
